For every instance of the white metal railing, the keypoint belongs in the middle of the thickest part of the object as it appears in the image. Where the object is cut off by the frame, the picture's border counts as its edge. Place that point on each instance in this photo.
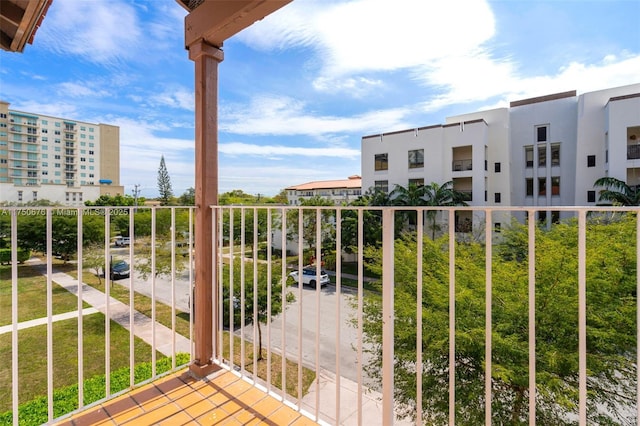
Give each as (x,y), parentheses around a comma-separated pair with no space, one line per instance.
(319,347)
(322,331)
(87,233)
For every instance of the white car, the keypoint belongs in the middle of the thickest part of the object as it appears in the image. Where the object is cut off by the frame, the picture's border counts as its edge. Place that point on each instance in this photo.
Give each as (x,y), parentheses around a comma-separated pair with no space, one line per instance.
(309,276)
(122,241)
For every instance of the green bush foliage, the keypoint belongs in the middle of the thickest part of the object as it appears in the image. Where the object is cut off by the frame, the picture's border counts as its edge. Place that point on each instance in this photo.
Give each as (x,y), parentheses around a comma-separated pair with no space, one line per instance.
(23,255)
(611,326)
(65,400)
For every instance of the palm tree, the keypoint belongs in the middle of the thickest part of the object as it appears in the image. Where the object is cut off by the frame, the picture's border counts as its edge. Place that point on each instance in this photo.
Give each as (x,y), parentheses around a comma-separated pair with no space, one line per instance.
(616,192)
(442,195)
(428,195)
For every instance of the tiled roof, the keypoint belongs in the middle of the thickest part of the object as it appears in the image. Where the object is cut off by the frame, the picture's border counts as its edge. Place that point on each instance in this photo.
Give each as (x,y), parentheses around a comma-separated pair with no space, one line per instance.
(354,181)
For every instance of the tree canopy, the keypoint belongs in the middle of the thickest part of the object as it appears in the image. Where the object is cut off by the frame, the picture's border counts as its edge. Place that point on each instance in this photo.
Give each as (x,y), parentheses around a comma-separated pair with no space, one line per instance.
(611,328)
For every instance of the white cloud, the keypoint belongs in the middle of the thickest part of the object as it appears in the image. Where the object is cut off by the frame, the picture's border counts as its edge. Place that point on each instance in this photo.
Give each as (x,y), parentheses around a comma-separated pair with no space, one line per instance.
(492,79)
(103,32)
(364,36)
(245,149)
(178,97)
(280,115)
(77,90)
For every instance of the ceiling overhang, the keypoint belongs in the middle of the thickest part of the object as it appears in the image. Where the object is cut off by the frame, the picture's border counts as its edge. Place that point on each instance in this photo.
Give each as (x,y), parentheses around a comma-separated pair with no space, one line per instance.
(19,21)
(214,21)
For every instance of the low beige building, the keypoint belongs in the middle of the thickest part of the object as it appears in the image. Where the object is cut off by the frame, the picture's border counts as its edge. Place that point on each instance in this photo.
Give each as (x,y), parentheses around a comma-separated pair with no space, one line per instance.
(339,191)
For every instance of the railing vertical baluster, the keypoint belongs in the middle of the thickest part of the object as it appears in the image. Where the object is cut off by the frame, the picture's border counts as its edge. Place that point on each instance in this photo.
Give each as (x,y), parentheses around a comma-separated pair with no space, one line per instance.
(452,316)
(419,248)
(488,320)
(242,288)
(532,316)
(190,245)
(387,315)
(173,287)
(50,314)
(15,383)
(231,261)
(153,289)
(360,309)
(637,318)
(220,262)
(300,311)
(256,318)
(284,286)
(318,265)
(283,351)
(79,269)
(107,291)
(338,301)
(582,317)
(132,333)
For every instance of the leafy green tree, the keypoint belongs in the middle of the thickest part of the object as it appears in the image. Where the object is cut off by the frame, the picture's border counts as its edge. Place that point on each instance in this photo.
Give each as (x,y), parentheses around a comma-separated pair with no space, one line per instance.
(114,200)
(611,328)
(260,301)
(281,198)
(164,184)
(188,198)
(617,192)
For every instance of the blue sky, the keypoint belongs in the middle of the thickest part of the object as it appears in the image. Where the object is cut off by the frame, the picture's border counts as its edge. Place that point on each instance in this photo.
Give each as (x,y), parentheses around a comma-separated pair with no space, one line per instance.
(300,88)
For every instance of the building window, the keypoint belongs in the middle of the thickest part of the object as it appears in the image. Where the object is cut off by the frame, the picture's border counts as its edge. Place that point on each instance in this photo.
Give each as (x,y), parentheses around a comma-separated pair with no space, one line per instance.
(416,182)
(555,154)
(541,133)
(591,196)
(497,197)
(382,185)
(497,227)
(416,158)
(496,167)
(45,131)
(528,155)
(591,160)
(90,152)
(555,185)
(19,195)
(542,156)
(381,162)
(542,186)
(35,195)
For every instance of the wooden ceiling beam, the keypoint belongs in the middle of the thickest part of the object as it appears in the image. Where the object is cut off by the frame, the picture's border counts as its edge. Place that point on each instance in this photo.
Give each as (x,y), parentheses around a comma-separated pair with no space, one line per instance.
(214,21)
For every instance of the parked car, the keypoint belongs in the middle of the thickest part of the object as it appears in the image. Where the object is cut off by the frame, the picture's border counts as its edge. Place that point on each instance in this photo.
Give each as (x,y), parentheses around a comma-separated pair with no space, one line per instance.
(119,269)
(122,241)
(309,276)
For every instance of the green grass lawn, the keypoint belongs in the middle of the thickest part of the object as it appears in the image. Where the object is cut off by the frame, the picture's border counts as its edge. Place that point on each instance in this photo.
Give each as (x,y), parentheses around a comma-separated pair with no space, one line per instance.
(32,295)
(32,347)
(32,356)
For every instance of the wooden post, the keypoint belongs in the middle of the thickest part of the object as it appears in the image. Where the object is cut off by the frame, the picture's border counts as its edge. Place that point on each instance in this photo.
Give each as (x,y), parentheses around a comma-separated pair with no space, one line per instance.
(206,58)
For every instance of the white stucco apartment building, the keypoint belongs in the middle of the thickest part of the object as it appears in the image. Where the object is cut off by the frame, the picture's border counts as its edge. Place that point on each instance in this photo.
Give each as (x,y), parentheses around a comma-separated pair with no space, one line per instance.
(61,160)
(543,151)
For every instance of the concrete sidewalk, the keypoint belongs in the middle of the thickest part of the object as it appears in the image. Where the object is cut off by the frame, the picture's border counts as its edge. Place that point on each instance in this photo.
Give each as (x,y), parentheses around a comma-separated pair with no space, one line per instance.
(143,327)
(41,321)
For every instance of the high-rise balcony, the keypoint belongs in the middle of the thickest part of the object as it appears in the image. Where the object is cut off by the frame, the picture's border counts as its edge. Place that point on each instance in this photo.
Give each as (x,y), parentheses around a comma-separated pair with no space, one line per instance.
(509,324)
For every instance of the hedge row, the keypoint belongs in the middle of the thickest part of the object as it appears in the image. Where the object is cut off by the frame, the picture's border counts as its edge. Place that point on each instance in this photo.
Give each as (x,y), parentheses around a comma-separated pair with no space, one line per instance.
(23,255)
